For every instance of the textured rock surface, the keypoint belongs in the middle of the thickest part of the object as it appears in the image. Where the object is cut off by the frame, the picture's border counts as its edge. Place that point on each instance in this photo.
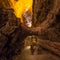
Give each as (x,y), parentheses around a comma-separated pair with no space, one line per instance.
(12,32)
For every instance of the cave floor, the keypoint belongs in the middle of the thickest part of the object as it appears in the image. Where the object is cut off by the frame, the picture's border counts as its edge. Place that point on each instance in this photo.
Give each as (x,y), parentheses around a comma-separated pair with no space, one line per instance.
(27,55)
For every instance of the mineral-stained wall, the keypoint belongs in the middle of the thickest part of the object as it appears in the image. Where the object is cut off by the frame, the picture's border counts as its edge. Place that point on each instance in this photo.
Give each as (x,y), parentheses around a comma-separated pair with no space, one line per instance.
(44,10)
(41,9)
(7,27)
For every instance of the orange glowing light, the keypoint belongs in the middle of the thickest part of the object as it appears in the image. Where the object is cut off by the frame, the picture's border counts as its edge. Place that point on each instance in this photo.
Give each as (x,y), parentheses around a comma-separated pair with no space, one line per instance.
(20,6)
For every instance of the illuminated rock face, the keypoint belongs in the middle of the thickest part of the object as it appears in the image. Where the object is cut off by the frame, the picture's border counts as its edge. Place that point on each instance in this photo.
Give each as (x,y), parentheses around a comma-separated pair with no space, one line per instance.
(21,6)
(27,18)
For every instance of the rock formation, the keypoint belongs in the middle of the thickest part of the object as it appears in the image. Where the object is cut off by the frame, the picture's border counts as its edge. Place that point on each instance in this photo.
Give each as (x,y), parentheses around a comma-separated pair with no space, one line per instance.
(46,25)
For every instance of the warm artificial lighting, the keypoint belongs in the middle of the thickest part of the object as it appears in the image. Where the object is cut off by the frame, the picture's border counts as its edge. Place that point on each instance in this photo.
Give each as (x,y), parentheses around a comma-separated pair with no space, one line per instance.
(21,6)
